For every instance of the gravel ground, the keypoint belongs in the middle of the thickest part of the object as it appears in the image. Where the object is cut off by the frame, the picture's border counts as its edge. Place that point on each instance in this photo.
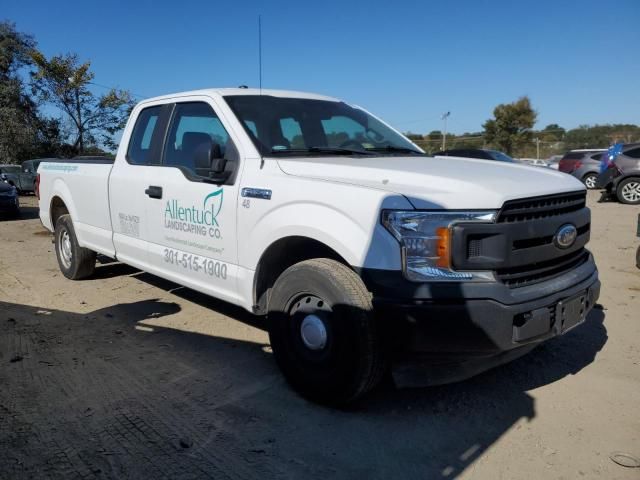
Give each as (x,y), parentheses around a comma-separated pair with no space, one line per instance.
(126,375)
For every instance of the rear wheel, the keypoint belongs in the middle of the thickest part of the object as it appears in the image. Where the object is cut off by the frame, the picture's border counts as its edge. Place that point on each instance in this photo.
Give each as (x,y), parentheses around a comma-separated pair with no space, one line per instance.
(323,332)
(590,180)
(628,191)
(75,262)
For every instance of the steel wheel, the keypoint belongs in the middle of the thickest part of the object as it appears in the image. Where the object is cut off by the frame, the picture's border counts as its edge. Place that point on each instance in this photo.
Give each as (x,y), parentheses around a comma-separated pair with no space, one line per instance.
(323,333)
(630,191)
(311,317)
(75,262)
(66,254)
(590,181)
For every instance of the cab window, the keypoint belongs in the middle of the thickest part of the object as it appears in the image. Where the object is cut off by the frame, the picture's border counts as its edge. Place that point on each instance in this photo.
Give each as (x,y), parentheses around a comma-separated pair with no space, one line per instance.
(192,127)
(138,152)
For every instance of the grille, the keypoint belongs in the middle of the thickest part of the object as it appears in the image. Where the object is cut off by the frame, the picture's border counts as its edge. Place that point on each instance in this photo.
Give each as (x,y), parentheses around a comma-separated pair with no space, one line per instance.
(544,240)
(542,207)
(530,274)
(474,248)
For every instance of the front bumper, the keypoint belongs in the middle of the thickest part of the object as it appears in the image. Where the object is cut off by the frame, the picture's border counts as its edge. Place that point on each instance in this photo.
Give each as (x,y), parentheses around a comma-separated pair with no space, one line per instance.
(465,321)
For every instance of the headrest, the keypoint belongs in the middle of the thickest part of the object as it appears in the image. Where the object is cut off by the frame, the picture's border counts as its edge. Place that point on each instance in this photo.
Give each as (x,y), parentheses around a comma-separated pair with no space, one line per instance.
(192,140)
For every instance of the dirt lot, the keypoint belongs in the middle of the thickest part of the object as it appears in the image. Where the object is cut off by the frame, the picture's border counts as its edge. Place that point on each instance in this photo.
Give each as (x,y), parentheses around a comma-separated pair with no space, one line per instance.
(129,376)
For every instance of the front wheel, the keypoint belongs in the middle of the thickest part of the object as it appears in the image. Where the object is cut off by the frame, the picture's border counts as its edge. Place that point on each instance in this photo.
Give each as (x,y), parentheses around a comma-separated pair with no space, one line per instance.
(590,180)
(75,262)
(628,191)
(323,332)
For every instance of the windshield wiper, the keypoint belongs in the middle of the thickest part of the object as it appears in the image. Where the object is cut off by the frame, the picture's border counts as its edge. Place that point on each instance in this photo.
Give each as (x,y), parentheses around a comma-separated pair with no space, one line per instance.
(394,149)
(332,150)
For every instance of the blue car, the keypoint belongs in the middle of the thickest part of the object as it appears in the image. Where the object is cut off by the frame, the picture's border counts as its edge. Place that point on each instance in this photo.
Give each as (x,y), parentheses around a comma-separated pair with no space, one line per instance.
(9,201)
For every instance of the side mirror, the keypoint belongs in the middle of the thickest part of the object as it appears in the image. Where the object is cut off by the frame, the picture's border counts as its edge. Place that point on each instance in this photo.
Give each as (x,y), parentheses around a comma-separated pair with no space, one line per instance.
(210,163)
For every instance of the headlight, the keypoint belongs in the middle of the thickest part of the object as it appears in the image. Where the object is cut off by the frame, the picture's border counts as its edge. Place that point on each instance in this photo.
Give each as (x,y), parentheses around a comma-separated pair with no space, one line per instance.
(425,239)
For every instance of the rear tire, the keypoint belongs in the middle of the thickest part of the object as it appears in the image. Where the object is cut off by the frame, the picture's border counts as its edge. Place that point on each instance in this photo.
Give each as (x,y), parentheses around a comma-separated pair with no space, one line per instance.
(75,262)
(323,332)
(590,180)
(628,191)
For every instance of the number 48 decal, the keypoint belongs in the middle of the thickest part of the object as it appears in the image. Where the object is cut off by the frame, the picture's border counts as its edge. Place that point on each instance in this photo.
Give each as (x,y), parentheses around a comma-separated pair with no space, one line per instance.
(246,203)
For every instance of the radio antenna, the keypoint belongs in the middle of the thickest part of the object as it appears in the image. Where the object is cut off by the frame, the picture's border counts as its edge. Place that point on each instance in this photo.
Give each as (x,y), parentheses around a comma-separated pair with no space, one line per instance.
(260,52)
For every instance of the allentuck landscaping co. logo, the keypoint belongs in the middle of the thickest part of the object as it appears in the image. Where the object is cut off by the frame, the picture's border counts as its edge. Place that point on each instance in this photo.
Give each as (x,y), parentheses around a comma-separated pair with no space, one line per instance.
(194,220)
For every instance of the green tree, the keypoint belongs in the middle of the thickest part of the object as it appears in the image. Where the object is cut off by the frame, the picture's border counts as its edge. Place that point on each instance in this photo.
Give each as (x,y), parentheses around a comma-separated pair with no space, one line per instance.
(414,136)
(510,129)
(64,81)
(24,132)
(552,133)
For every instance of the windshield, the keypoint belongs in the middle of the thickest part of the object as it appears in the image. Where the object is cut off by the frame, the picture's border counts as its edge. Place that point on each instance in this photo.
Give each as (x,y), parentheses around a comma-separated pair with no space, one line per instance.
(503,157)
(298,126)
(9,169)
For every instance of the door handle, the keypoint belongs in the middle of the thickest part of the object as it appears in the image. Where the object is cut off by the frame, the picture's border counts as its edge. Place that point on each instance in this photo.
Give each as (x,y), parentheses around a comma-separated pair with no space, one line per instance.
(154,192)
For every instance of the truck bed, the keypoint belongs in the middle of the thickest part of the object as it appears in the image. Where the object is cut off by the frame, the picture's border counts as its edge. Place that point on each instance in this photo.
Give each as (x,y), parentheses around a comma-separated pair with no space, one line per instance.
(75,182)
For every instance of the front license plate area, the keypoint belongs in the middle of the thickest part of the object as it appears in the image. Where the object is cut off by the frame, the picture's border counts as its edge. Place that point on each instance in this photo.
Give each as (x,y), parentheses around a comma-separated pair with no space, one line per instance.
(571,312)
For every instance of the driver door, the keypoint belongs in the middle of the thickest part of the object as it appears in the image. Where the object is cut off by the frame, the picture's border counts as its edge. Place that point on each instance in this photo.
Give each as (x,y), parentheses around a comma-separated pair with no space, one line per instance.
(192,220)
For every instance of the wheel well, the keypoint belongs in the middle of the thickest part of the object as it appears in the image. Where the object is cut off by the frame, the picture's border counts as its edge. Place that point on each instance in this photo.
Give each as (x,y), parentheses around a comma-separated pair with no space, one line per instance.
(589,173)
(281,255)
(619,180)
(58,208)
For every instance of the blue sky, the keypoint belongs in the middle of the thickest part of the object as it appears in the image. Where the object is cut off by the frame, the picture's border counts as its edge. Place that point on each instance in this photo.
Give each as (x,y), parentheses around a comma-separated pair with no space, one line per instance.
(405,61)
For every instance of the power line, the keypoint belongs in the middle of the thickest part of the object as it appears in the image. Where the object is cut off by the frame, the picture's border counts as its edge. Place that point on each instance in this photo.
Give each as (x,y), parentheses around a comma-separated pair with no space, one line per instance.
(116,88)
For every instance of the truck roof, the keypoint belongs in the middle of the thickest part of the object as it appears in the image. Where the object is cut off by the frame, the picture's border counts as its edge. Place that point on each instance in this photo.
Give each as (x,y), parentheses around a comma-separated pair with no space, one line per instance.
(244,91)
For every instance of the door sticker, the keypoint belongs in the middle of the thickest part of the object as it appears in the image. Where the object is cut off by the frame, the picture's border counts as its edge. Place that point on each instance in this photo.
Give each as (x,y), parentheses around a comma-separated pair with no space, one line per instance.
(194,220)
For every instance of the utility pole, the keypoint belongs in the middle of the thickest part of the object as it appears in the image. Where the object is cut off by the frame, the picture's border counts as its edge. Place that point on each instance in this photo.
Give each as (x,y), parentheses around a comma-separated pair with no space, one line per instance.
(444,133)
(537,140)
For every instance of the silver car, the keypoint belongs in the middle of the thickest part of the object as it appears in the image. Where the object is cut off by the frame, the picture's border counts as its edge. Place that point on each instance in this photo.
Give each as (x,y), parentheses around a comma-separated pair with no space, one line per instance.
(622,178)
(582,164)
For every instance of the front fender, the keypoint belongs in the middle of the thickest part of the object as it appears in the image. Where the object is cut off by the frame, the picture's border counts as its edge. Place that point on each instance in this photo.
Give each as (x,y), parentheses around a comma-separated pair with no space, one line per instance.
(354,233)
(624,176)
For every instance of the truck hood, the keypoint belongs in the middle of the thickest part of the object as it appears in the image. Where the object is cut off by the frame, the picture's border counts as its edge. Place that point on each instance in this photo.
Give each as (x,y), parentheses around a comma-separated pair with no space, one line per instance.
(437,182)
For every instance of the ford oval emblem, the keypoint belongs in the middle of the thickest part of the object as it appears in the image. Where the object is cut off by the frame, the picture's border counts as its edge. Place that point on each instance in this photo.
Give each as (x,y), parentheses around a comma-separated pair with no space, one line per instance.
(565,236)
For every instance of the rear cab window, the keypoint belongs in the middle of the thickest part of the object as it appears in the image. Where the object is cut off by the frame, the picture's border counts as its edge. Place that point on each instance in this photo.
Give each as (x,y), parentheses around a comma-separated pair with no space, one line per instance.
(144,136)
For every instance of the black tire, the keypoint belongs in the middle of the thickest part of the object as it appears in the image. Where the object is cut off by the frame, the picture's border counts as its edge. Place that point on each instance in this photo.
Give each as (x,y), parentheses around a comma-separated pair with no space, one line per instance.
(590,180)
(352,361)
(628,191)
(75,262)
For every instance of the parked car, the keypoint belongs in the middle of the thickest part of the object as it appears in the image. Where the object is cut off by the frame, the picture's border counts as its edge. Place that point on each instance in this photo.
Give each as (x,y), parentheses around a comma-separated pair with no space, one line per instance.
(583,164)
(366,255)
(622,177)
(9,201)
(22,177)
(554,161)
(536,162)
(9,173)
(480,153)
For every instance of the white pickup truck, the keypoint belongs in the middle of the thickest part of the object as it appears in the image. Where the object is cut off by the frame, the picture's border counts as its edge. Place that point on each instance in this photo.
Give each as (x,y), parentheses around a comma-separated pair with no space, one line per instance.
(364,254)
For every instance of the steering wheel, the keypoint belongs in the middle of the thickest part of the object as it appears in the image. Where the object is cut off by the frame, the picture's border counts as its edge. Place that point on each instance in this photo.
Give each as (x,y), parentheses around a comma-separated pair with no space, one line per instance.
(351,142)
